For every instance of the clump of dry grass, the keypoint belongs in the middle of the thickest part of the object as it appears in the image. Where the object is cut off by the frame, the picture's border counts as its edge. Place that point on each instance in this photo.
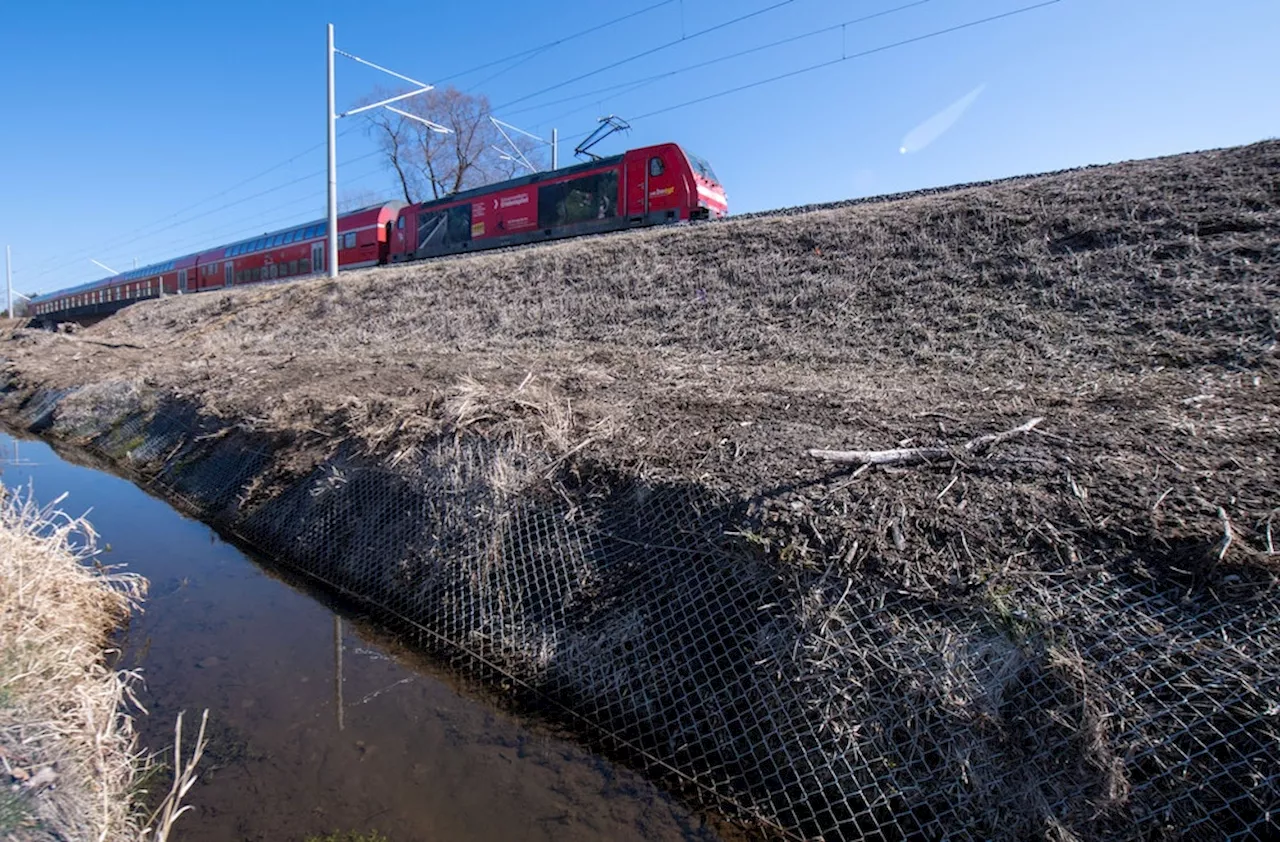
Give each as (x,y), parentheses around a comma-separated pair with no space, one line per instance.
(65,739)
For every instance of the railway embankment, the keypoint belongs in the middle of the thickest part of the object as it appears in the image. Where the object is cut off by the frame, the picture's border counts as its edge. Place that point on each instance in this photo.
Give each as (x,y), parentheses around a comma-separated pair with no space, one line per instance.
(585,470)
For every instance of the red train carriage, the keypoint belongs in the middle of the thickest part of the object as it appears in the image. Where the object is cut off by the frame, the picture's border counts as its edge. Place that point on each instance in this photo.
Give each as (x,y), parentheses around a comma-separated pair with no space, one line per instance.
(648,186)
(301,250)
(102,297)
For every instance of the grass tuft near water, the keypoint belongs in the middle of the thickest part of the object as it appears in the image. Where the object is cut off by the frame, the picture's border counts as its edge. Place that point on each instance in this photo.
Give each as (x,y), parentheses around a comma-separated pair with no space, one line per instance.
(71,764)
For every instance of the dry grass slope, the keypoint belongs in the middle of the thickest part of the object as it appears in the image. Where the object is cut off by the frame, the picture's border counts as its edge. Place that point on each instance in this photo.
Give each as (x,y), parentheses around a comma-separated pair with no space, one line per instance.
(1134,307)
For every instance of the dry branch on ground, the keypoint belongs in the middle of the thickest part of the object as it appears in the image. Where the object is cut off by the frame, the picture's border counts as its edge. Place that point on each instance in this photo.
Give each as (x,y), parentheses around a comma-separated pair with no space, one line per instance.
(915,455)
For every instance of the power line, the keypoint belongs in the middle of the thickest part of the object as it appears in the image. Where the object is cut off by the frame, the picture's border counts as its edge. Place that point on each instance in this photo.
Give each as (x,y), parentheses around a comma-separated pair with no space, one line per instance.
(848,57)
(550,44)
(641,55)
(636,84)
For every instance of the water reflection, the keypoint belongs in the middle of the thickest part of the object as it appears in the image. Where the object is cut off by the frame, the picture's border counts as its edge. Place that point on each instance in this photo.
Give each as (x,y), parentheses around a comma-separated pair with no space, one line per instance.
(319,723)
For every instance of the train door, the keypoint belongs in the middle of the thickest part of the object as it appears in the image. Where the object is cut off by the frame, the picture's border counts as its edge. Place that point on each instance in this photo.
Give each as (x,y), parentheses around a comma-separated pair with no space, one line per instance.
(635,173)
(662,186)
(182,280)
(317,257)
(229,274)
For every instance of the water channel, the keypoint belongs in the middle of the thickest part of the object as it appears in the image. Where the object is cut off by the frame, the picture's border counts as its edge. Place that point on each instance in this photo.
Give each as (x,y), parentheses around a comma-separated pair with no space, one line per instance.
(320,723)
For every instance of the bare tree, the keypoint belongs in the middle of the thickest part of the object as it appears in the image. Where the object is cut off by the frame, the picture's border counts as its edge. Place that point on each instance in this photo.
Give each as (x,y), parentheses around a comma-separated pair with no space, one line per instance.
(429,164)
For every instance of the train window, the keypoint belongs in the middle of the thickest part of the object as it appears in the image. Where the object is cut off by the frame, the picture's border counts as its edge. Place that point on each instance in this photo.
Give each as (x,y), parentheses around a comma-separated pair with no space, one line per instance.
(589,197)
(400,222)
(293,267)
(702,167)
(288,238)
(349,240)
(656,167)
(277,239)
(304,266)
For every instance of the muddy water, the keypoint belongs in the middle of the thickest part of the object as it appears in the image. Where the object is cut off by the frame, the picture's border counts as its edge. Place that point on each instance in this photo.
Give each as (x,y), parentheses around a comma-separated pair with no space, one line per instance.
(319,723)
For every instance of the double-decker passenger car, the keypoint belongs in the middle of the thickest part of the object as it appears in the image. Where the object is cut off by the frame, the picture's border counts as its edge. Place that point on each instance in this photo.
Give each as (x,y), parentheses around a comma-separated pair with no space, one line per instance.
(649,186)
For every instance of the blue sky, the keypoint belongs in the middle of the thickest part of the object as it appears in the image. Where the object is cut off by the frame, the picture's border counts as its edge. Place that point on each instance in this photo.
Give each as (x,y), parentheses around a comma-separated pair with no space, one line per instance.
(130,127)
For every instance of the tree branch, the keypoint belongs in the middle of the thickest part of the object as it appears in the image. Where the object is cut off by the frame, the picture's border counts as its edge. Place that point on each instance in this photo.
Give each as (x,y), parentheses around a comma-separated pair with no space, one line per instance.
(914,455)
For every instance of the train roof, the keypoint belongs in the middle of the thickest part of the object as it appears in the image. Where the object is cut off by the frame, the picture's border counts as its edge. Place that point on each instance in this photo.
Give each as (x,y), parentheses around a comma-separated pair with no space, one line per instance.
(219,252)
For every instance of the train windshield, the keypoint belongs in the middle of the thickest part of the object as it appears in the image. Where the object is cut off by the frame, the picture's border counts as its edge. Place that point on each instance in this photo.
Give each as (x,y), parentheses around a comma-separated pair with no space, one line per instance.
(702,168)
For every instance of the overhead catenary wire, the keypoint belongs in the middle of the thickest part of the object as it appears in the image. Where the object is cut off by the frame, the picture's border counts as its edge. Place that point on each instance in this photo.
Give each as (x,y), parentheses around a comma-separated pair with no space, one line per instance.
(843,58)
(644,54)
(557,42)
(634,84)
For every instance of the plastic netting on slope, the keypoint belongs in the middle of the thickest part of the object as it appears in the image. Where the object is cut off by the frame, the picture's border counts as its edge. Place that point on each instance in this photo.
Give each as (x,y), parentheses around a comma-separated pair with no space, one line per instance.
(1090,706)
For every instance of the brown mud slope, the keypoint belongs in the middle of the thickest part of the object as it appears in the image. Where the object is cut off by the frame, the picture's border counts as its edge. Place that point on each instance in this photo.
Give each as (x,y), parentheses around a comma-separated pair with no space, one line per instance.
(588,463)
(1134,307)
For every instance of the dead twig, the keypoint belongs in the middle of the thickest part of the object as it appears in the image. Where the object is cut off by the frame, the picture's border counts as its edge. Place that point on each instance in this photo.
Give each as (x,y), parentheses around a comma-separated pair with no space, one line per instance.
(1228,535)
(914,455)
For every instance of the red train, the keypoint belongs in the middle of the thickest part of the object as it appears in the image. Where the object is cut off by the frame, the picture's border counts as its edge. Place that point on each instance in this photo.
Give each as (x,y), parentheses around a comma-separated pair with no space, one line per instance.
(654,185)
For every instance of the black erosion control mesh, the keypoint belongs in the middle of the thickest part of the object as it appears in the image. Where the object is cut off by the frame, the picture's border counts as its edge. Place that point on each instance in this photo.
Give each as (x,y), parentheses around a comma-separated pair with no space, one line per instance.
(1074,706)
